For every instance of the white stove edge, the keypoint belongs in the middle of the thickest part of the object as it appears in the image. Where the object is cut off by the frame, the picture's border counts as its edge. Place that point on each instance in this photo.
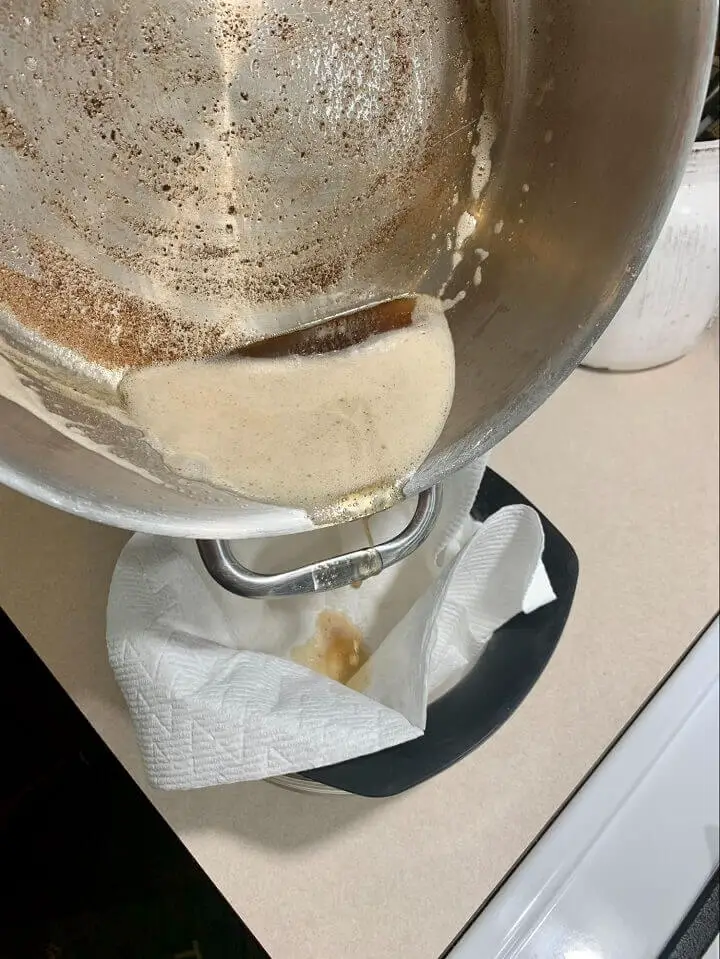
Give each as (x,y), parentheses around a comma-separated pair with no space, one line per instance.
(616,873)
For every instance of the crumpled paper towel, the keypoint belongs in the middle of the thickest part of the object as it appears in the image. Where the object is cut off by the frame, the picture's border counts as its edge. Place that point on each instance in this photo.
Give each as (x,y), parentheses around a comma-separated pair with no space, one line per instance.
(213,694)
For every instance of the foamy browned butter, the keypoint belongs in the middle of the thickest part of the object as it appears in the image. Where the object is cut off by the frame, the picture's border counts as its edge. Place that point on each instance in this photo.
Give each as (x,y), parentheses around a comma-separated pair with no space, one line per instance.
(304,431)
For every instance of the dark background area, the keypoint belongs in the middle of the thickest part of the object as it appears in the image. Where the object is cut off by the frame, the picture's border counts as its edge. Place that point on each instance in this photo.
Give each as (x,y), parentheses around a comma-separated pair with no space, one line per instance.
(90,868)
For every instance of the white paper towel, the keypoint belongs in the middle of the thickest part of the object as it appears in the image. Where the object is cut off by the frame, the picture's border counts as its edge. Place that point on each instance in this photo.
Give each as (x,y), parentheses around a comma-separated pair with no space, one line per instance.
(212,692)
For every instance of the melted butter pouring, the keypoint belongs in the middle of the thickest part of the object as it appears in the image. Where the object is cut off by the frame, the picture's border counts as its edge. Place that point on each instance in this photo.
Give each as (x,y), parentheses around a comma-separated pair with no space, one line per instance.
(371,543)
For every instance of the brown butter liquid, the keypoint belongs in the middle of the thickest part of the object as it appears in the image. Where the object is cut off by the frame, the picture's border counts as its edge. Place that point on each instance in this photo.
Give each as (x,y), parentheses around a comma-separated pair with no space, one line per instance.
(339,430)
(336,649)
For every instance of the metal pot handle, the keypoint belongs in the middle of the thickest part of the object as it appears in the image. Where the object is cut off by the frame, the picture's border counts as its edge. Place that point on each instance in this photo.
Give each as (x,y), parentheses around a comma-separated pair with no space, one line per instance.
(327,574)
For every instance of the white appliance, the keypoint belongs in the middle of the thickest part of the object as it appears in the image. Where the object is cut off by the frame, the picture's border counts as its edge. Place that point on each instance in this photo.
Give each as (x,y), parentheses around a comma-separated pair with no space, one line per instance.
(617,871)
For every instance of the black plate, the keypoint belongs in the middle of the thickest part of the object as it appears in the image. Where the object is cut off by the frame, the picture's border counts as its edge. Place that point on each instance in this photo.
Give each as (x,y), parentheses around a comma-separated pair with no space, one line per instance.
(508,669)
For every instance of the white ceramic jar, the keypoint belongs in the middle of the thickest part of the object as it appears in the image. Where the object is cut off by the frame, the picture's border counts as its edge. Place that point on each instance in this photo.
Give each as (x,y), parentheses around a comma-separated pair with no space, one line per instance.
(675,297)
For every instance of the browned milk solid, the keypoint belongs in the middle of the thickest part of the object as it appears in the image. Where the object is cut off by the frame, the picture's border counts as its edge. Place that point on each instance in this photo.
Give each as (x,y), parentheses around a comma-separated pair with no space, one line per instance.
(305,431)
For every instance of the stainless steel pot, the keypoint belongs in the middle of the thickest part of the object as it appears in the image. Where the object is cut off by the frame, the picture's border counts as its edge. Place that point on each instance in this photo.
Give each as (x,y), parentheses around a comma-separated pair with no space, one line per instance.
(599,107)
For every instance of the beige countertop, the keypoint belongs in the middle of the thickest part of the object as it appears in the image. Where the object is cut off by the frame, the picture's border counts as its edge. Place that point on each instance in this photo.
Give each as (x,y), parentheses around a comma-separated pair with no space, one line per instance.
(627,467)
